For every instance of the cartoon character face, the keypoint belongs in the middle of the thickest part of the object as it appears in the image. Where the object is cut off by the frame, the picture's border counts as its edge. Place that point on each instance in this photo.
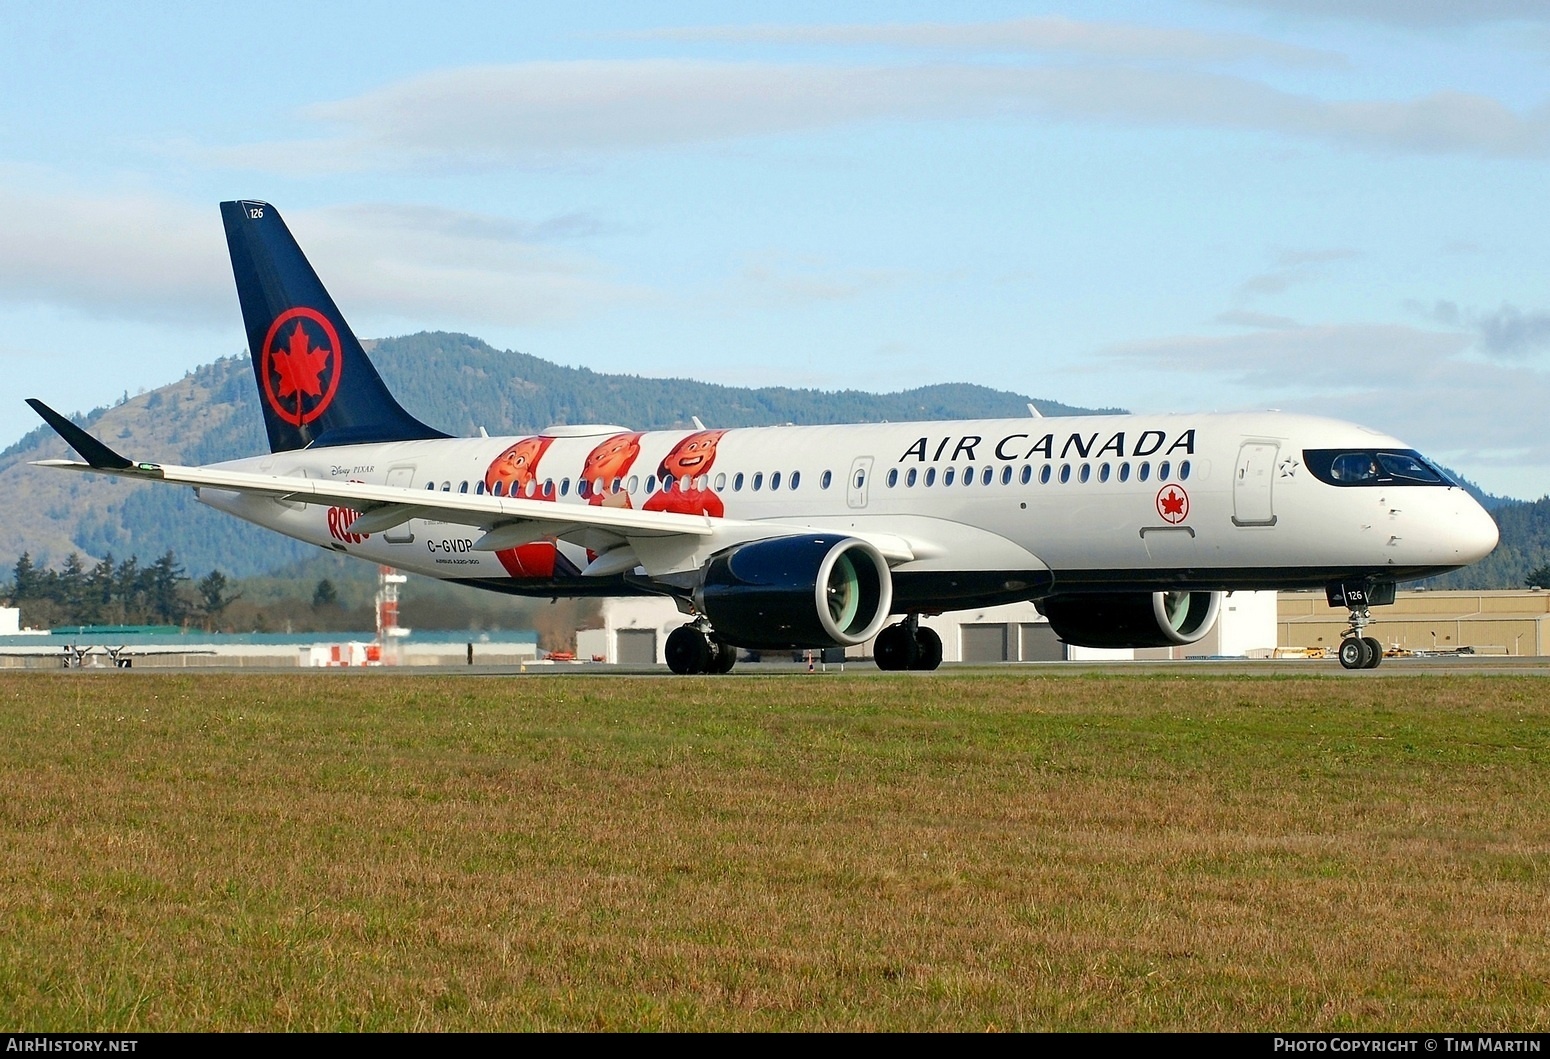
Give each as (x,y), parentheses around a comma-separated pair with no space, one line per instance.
(692,456)
(611,459)
(516,467)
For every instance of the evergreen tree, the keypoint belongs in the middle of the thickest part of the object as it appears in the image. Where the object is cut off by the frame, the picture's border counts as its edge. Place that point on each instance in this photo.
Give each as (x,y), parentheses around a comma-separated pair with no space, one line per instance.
(212,595)
(165,601)
(25,583)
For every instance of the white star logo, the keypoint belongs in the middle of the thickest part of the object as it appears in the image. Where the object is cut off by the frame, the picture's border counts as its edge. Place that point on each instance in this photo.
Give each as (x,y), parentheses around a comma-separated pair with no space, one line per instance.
(1288,468)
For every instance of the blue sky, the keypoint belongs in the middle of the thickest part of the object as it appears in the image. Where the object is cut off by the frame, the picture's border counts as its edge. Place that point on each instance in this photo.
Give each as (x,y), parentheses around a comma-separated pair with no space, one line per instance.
(1337,206)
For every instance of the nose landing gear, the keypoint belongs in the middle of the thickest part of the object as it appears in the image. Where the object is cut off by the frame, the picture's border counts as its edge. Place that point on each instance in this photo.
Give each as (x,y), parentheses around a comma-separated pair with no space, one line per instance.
(1358,651)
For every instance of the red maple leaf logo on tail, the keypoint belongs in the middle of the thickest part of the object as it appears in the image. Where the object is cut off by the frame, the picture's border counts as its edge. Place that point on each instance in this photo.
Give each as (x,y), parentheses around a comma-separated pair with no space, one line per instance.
(300,378)
(301,366)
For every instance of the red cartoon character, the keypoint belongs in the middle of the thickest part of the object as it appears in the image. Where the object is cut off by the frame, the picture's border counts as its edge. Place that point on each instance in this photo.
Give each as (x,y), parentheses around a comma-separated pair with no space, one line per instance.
(605,469)
(515,473)
(683,473)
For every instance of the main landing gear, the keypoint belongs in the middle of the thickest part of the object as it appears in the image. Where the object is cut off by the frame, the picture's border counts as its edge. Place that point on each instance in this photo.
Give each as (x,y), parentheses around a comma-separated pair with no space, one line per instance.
(693,648)
(907,645)
(1358,651)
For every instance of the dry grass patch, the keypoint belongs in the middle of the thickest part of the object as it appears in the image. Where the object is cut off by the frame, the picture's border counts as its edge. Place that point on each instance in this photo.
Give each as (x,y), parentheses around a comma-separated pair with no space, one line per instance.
(216,852)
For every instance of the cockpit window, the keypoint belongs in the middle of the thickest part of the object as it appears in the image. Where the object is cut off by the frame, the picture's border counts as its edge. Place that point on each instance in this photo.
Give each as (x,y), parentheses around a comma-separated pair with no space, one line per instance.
(1372,467)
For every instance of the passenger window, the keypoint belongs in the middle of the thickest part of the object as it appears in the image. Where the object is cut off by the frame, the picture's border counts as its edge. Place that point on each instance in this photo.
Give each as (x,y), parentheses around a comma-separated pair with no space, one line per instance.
(968,476)
(1124,472)
(947,476)
(1084,474)
(758,481)
(1103,472)
(565,487)
(446,487)
(796,479)
(1183,470)
(1065,473)
(930,476)
(651,483)
(1162,471)
(462,487)
(1006,476)
(823,483)
(909,477)
(1144,471)
(1044,474)
(1027,475)
(893,478)
(775,481)
(430,485)
(635,483)
(988,476)
(737,482)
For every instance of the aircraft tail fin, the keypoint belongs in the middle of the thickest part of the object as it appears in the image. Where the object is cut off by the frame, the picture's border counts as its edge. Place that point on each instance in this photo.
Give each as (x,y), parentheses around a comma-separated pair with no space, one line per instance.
(315,383)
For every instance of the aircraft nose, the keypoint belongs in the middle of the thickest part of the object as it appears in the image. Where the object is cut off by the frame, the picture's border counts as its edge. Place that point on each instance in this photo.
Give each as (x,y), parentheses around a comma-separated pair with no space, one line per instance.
(1475,533)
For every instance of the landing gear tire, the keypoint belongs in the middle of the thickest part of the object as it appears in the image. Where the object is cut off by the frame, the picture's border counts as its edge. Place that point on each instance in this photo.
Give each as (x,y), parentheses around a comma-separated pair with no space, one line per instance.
(928,649)
(896,648)
(1376,650)
(688,651)
(723,657)
(1357,653)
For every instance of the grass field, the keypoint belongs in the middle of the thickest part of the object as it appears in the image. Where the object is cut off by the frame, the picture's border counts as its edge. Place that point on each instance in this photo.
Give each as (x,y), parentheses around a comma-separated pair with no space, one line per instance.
(962,851)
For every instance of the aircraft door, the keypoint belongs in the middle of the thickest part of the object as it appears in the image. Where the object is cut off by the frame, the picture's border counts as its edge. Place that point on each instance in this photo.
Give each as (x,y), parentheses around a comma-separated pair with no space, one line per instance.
(1252,502)
(860,480)
(400,478)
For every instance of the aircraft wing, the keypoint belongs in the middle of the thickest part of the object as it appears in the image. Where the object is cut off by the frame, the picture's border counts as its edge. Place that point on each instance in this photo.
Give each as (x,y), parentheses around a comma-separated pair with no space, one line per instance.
(659,540)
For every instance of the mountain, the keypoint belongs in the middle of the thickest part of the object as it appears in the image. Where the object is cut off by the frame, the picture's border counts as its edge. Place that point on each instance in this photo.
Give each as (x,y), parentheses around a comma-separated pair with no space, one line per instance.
(454,382)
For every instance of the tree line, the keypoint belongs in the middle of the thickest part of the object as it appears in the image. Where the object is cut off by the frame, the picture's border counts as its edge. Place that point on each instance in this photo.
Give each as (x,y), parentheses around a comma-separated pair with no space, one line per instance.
(117,593)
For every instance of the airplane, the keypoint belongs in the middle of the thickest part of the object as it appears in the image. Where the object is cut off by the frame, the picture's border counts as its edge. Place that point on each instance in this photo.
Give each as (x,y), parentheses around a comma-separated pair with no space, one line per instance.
(1125,531)
(84,656)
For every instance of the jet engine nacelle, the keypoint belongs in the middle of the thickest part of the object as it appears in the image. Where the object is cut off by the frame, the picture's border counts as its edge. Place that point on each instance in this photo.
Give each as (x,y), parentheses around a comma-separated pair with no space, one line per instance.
(812,590)
(1132,619)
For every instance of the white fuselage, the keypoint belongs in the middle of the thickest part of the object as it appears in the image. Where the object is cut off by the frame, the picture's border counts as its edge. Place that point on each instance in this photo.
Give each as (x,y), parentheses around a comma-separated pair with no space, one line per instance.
(989,509)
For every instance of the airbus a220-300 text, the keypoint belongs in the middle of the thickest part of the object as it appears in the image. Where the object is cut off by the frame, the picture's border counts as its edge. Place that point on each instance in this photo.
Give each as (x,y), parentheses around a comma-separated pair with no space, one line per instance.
(1124,530)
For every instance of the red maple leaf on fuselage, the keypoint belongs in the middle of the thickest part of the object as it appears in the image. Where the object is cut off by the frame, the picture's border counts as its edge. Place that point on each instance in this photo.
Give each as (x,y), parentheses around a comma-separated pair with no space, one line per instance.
(301,367)
(1173,504)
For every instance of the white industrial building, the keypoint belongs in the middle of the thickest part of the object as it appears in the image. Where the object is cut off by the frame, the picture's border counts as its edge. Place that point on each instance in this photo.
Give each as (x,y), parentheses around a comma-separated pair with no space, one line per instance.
(635,632)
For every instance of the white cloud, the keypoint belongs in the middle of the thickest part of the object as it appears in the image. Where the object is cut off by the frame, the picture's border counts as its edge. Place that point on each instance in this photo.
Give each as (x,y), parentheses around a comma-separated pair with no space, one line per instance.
(1293,267)
(1419,13)
(1421,386)
(132,256)
(1322,358)
(1051,33)
(164,261)
(538,113)
(1511,332)
(1507,333)
(769,281)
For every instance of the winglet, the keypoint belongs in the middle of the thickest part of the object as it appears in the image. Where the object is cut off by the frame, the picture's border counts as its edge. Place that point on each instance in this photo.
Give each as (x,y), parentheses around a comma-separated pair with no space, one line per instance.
(91,450)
